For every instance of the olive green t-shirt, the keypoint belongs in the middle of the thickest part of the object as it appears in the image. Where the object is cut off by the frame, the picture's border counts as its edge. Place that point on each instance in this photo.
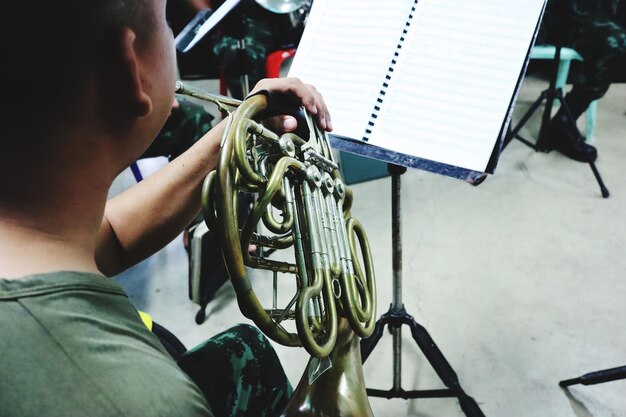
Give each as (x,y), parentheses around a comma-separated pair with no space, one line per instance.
(71,344)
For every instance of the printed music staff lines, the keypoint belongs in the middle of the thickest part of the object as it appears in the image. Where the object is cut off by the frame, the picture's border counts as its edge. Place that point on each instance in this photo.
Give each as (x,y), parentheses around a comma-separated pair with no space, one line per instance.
(435,81)
(343,56)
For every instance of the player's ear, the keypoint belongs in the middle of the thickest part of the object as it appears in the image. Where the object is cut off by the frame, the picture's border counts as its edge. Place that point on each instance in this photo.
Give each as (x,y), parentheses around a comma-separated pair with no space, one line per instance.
(123,74)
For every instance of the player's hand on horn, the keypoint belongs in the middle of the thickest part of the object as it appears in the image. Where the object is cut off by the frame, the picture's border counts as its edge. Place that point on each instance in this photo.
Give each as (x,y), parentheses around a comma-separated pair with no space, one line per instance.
(308,96)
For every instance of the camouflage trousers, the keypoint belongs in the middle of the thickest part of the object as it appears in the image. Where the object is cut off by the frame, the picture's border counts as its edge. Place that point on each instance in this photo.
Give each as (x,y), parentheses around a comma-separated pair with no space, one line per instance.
(239,374)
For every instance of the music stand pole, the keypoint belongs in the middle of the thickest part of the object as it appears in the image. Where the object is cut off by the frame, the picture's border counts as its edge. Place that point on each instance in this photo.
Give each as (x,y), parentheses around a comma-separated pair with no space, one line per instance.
(398,316)
(396,261)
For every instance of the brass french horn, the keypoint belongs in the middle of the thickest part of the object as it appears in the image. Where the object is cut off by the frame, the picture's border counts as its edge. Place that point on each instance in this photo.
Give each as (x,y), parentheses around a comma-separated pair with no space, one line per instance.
(302,206)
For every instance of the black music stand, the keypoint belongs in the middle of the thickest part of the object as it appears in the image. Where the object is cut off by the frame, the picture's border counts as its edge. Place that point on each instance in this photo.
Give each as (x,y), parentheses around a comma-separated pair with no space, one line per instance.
(549,95)
(398,316)
(233,24)
(237,61)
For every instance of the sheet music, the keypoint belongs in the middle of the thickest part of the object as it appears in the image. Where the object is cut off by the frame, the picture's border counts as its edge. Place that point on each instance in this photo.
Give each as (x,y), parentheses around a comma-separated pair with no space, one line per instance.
(450,88)
(454,79)
(347,59)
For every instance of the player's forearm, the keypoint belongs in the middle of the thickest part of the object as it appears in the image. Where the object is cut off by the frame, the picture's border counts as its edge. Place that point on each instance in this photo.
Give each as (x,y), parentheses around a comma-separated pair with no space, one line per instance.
(146,217)
(142,220)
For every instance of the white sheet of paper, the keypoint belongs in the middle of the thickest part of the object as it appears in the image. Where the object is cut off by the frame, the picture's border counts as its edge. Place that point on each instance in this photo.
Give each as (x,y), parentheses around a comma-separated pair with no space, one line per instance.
(452,83)
(345,52)
(450,93)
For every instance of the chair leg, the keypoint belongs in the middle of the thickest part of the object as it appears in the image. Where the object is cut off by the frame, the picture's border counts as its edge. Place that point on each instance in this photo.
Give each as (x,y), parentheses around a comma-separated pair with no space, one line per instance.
(561,77)
(590,120)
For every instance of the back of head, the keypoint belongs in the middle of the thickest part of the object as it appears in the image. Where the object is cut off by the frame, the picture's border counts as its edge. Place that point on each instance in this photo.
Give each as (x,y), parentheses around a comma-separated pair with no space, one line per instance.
(48,47)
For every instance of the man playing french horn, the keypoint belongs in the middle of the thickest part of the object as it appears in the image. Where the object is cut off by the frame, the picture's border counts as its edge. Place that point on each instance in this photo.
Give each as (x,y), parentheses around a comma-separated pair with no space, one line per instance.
(88,84)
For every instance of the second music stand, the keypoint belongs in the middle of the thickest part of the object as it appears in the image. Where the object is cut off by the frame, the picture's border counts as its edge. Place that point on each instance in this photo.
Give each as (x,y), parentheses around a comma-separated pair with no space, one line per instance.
(549,95)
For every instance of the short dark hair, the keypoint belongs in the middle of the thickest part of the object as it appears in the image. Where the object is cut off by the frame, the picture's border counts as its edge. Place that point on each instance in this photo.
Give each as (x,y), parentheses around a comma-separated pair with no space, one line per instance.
(45,46)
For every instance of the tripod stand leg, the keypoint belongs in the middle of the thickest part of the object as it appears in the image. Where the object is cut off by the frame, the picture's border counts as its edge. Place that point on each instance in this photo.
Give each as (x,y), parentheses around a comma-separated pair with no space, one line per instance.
(545,119)
(514,133)
(604,191)
(442,367)
(368,345)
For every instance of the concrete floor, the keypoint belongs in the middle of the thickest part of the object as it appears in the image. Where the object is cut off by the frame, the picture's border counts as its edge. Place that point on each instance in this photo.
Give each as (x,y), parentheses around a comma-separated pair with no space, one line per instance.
(520,281)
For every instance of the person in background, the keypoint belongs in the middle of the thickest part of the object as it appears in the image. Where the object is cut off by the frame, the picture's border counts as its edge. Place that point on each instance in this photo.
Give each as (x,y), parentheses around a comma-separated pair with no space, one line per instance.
(261,30)
(595,30)
(187,123)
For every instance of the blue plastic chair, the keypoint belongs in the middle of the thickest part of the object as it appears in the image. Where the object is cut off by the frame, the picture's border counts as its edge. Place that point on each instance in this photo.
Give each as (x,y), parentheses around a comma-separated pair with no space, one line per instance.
(567,56)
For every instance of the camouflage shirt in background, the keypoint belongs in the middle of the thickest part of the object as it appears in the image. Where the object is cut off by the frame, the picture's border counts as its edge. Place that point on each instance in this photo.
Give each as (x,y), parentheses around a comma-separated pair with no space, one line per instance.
(590,27)
(593,9)
(265,32)
(259,41)
(185,126)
